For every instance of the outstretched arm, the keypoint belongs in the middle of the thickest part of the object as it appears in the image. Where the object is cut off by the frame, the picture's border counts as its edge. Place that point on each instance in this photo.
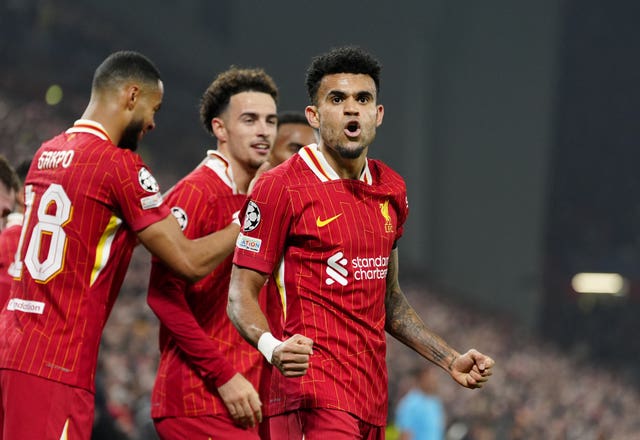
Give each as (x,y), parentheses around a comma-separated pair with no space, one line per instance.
(470,369)
(290,356)
(191,259)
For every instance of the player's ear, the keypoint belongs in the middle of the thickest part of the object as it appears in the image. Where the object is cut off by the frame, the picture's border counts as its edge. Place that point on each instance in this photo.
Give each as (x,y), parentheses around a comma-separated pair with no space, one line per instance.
(219,130)
(311,112)
(380,115)
(131,95)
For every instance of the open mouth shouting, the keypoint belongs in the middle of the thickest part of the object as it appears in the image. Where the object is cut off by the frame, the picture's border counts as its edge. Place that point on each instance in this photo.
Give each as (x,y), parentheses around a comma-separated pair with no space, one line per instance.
(352,129)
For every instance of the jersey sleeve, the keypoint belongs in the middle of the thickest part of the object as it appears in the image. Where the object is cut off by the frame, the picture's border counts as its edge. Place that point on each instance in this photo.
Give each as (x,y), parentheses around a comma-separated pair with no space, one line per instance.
(197,215)
(9,238)
(266,218)
(403,212)
(167,300)
(137,192)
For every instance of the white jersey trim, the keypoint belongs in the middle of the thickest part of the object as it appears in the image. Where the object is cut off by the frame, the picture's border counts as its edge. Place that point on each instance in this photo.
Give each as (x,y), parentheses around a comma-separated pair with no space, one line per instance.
(316,161)
(14,219)
(219,164)
(88,126)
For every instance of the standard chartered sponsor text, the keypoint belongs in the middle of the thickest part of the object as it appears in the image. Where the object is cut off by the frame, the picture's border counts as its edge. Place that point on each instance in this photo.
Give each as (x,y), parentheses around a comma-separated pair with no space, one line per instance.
(370,268)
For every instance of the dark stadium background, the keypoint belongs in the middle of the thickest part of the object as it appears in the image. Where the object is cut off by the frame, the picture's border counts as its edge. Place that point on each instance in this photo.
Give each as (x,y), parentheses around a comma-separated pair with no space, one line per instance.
(515,125)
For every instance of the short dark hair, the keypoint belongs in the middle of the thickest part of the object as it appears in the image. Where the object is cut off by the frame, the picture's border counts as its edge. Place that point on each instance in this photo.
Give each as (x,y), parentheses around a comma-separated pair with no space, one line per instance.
(292,117)
(347,59)
(8,175)
(125,65)
(22,169)
(215,99)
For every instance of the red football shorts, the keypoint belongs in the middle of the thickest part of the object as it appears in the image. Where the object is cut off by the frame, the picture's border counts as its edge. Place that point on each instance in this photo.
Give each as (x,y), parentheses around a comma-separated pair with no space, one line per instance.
(203,427)
(319,424)
(37,408)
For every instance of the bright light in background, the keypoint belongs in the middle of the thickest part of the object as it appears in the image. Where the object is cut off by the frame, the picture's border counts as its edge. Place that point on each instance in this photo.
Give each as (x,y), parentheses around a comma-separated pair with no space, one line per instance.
(53,95)
(607,283)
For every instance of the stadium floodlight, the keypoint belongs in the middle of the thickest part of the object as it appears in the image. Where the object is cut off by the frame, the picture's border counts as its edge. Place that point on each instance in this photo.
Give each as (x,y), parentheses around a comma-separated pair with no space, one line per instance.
(603,283)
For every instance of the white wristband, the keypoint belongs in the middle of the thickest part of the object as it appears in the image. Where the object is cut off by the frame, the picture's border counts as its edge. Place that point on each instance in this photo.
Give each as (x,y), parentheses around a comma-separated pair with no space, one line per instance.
(235,218)
(266,344)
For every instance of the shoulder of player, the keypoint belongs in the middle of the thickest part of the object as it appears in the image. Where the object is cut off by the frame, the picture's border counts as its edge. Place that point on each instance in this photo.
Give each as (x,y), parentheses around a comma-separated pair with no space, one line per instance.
(105,153)
(376,165)
(68,150)
(292,173)
(383,173)
(196,187)
(278,174)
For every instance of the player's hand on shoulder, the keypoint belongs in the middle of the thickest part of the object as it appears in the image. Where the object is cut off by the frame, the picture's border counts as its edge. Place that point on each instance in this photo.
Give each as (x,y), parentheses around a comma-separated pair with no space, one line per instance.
(242,401)
(472,369)
(292,356)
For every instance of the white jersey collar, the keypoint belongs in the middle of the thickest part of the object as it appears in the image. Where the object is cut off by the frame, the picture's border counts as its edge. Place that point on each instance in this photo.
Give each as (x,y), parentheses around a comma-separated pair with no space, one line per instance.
(316,161)
(222,167)
(89,126)
(14,219)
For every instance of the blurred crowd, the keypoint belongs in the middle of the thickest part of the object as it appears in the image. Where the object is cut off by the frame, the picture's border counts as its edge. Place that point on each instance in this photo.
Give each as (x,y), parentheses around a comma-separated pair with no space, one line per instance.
(537,392)
(25,125)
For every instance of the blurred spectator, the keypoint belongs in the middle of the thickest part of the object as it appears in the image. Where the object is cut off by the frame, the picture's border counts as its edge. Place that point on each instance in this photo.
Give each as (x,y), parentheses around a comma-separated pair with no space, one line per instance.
(420,414)
(104,425)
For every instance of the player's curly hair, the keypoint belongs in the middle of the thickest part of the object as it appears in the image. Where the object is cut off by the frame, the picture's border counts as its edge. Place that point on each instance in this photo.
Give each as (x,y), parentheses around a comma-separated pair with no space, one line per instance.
(347,59)
(215,99)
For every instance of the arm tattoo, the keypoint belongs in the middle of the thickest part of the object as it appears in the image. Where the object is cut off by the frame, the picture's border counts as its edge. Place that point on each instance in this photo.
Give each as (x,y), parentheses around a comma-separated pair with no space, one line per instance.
(404,324)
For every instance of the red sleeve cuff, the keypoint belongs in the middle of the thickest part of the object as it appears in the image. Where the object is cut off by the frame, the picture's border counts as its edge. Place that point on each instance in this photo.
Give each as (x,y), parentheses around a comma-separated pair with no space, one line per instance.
(223,374)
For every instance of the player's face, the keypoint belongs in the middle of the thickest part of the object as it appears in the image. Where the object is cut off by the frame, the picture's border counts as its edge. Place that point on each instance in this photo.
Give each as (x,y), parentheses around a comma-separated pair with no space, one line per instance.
(142,120)
(346,113)
(291,137)
(249,127)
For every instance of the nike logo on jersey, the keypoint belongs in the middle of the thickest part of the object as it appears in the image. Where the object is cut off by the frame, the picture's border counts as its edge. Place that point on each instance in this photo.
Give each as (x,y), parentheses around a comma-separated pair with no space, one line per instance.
(321,223)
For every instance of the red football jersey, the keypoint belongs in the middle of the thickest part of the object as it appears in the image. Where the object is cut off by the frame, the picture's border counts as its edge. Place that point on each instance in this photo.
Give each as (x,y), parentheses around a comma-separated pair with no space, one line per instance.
(326,242)
(9,238)
(201,349)
(85,198)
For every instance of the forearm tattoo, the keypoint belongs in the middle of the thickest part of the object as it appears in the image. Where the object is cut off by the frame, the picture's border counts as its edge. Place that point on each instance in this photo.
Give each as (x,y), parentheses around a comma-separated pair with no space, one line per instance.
(403,323)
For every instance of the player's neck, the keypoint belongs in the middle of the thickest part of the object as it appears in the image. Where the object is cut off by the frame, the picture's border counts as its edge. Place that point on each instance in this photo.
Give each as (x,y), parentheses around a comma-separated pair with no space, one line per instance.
(345,168)
(242,174)
(242,178)
(105,116)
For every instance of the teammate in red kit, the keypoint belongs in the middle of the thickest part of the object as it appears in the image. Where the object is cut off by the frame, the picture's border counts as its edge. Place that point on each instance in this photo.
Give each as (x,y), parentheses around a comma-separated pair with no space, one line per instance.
(208,374)
(89,198)
(9,185)
(294,132)
(10,235)
(325,226)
